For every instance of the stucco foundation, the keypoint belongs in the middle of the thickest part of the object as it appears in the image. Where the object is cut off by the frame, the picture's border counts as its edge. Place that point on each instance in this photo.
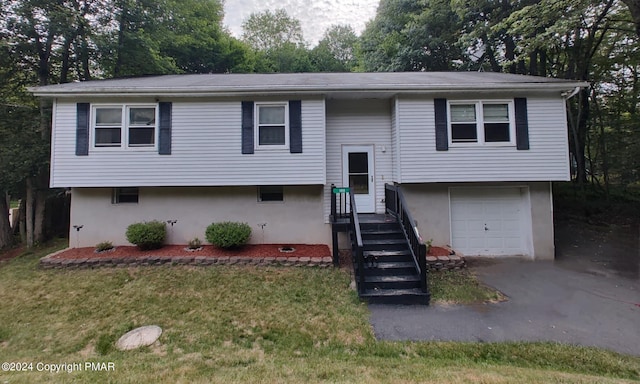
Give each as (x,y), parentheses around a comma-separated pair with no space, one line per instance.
(299,219)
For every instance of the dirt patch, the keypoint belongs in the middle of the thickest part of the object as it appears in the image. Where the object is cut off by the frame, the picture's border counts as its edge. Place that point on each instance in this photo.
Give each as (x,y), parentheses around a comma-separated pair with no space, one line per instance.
(600,249)
(257,250)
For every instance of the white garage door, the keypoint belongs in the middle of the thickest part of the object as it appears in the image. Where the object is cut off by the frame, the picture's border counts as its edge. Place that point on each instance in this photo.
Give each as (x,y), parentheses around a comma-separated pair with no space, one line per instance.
(490,221)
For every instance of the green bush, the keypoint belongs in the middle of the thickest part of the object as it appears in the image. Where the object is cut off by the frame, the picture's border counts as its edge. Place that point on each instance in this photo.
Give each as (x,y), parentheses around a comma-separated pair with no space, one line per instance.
(228,234)
(147,235)
(194,243)
(104,246)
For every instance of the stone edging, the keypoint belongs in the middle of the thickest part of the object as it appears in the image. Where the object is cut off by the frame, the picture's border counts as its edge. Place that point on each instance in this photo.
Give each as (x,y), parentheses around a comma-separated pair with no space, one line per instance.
(50,262)
(442,263)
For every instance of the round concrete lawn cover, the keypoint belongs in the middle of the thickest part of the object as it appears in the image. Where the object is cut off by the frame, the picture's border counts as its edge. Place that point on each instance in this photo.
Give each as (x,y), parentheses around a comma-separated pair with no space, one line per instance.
(139,337)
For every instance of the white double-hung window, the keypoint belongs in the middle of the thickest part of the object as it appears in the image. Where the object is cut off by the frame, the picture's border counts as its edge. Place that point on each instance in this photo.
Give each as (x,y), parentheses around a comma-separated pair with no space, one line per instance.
(272,123)
(482,122)
(128,126)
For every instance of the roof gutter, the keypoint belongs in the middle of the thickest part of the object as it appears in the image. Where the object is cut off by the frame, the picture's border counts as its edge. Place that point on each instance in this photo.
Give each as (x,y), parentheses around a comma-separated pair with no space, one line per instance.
(308,90)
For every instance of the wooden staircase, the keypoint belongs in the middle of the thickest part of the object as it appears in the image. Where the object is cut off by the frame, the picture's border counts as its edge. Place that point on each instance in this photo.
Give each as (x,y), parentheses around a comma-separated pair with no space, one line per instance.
(390,274)
(389,256)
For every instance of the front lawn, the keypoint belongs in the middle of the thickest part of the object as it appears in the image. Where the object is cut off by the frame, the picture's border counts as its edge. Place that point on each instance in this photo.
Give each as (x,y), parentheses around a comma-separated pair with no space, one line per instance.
(246,324)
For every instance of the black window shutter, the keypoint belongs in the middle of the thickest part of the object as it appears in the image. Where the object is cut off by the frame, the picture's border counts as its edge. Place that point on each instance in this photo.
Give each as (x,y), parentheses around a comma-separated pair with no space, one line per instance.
(164,144)
(82,129)
(247,127)
(442,138)
(522,123)
(295,126)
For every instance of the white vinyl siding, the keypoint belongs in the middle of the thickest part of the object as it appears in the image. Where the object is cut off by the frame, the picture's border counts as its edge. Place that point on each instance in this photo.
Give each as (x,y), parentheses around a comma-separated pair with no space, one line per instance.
(395,143)
(206,151)
(359,122)
(546,160)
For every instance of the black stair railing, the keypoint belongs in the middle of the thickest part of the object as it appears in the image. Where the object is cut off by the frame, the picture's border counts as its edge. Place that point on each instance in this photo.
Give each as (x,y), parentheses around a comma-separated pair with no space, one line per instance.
(396,205)
(357,246)
(339,200)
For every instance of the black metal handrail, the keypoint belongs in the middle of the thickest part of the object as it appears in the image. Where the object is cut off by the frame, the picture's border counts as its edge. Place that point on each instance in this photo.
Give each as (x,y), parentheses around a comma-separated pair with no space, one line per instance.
(396,205)
(357,246)
(338,205)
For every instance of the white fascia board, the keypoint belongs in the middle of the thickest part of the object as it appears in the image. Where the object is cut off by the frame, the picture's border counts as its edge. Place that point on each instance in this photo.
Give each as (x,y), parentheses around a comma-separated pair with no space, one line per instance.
(303,90)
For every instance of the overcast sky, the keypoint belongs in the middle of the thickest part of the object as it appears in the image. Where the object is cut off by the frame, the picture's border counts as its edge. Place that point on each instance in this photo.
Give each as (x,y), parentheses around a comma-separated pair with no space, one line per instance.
(314,15)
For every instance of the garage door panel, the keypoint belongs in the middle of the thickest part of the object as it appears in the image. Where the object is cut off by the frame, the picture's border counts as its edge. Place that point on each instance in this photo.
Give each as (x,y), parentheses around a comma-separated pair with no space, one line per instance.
(488,221)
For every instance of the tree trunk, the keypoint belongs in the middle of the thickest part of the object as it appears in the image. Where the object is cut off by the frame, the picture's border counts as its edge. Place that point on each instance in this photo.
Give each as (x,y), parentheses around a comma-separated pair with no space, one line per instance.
(39,234)
(543,63)
(21,227)
(122,21)
(579,136)
(66,53)
(29,212)
(634,9)
(5,226)
(533,63)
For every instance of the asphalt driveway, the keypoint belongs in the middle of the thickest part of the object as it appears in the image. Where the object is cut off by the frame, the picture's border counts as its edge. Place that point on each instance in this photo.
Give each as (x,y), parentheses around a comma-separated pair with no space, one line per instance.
(546,303)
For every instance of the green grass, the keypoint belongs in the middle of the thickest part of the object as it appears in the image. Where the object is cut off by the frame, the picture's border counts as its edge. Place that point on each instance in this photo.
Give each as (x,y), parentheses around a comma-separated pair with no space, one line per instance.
(247,324)
(14,204)
(460,287)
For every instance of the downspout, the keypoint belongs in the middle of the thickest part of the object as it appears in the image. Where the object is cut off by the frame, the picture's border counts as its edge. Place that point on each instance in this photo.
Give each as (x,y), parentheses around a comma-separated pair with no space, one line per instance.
(566,95)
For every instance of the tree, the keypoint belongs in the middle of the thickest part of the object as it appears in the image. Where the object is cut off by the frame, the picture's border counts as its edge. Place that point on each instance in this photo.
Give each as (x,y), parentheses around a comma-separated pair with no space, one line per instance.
(336,52)
(634,9)
(268,31)
(570,42)
(51,41)
(407,35)
(277,41)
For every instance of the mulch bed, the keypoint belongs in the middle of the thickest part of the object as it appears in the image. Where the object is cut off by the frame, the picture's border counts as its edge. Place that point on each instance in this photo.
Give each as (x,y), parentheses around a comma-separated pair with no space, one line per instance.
(438,251)
(251,250)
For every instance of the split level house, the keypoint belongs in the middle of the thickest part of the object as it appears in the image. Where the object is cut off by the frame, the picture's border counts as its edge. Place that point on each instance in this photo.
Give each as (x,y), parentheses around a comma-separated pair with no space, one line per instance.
(474,154)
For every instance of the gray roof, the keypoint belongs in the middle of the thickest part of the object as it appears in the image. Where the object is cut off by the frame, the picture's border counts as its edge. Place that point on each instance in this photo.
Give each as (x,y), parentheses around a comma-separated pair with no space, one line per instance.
(309,83)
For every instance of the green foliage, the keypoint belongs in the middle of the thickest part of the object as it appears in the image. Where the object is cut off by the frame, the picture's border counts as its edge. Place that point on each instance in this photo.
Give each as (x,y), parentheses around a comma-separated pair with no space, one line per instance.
(460,287)
(104,246)
(336,52)
(268,30)
(194,243)
(105,344)
(228,234)
(147,235)
(411,36)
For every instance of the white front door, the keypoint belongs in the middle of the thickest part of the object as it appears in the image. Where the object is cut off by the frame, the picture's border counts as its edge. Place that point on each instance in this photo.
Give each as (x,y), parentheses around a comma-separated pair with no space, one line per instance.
(357,173)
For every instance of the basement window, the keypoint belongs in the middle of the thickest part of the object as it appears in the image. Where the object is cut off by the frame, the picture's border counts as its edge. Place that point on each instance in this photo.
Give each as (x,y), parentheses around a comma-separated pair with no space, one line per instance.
(270,193)
(125,195)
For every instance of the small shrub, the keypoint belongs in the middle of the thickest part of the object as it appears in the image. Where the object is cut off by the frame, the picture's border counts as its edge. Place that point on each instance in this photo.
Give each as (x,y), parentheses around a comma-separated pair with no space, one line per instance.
(194,243)
(228,234)
(147,235)
(104,246)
